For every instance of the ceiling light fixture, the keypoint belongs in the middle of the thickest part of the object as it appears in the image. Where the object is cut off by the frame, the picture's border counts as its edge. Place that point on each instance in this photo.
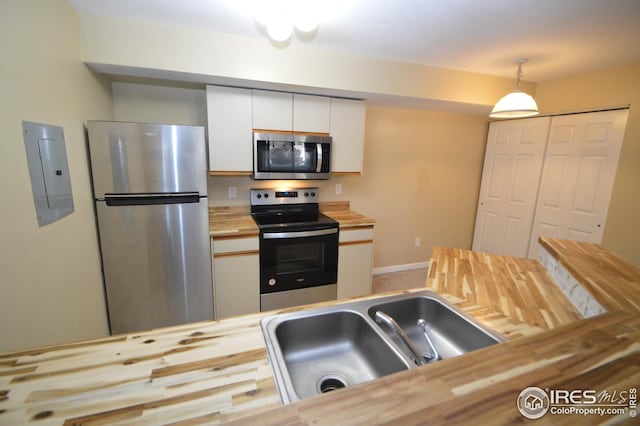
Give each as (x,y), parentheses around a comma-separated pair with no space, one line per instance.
(516,104)
(280,17)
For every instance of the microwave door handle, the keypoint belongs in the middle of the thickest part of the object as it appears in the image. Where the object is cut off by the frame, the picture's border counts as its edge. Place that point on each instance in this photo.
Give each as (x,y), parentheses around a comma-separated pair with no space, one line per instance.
(319,158)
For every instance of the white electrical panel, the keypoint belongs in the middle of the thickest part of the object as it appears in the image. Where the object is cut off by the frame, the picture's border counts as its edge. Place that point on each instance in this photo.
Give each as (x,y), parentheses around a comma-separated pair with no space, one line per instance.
(49,171)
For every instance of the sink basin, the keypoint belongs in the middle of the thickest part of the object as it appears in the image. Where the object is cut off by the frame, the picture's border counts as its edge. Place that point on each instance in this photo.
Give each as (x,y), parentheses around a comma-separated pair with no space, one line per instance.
(451,333)
(329,351)
(319,350)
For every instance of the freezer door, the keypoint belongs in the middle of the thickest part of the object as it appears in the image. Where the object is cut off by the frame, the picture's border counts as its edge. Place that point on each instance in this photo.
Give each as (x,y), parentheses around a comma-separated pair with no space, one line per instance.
(146,158)
(157,264)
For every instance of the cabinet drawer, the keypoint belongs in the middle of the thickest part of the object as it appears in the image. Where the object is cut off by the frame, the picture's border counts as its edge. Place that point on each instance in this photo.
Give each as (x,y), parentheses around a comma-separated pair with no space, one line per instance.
(235,245)
(358,234)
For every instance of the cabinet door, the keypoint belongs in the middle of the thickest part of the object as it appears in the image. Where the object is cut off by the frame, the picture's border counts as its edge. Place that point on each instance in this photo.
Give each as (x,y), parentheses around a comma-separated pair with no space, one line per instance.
(355,261)
(237,285)
(272,110)
(347,129)
(512,168)
(311,113)
(236,277)
(230,138)
(579,169)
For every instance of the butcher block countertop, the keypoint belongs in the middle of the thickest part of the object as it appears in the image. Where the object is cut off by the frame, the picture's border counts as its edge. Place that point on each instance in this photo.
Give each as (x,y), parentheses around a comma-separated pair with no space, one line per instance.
(231,221)
(341,212)
(218,371)
(518,288)
(237,221)
(611,279)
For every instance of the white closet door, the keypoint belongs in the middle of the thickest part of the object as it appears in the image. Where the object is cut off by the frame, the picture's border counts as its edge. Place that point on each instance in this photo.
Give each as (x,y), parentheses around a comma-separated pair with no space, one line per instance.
(512,168)
(577,179)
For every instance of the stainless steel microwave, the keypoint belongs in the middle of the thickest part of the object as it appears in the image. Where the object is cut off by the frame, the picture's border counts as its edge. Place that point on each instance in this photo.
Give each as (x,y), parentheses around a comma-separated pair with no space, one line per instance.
(291,156)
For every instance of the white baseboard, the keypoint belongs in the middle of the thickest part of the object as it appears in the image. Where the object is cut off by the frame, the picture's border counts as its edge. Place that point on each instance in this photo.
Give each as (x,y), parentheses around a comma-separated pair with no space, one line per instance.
(399,268)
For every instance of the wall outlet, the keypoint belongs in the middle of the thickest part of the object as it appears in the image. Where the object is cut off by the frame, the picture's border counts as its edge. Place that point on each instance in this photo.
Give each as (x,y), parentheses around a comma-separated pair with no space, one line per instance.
(338,188)
(418,242)
(232,191)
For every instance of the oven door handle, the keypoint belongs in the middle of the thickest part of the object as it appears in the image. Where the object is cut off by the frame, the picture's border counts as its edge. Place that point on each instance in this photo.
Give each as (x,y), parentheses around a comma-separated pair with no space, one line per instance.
(300,234)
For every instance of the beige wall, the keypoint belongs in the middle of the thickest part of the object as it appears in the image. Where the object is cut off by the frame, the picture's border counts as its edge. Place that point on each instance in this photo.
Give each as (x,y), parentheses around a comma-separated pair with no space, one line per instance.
(50,280)
(421,179)
(609,87)
(152,103)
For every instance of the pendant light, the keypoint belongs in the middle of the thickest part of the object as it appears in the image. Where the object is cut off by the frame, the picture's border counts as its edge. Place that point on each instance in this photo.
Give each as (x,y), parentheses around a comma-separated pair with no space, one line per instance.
(516,104)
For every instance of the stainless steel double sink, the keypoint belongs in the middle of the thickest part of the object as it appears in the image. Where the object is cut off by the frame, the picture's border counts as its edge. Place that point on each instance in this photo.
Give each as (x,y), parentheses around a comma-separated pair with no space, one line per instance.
(315,351)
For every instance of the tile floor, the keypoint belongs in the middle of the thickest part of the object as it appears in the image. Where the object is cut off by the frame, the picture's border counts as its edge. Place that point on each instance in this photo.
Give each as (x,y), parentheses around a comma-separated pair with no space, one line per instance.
(399,280)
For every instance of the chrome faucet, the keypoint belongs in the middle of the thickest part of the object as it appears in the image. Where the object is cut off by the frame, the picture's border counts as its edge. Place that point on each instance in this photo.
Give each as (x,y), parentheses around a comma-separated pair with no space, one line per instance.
(382,318)
(434,353)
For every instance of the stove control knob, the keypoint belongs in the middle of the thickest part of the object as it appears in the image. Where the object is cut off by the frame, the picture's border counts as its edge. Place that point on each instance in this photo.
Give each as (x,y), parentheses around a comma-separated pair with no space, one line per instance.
(259,195)
(266,195)
(313,194)
(306,194)
(272,282)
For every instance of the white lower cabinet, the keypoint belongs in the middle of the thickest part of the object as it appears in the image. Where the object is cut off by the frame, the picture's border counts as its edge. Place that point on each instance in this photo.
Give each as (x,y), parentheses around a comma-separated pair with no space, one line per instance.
(355,261)
(236,276)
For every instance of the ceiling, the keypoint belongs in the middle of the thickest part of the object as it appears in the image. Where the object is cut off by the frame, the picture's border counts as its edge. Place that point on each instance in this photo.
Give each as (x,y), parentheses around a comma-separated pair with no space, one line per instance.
(560,37)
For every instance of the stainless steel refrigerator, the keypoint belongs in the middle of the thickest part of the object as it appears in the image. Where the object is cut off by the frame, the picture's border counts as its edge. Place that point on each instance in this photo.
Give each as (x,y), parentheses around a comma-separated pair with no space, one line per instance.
(150,188)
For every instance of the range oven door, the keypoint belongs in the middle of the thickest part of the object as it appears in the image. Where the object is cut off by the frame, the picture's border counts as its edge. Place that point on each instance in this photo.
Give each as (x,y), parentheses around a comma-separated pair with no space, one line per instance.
(297,260)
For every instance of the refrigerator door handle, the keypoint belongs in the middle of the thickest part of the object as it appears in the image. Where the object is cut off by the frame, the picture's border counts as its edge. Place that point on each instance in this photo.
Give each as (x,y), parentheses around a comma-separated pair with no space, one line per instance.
(151,199)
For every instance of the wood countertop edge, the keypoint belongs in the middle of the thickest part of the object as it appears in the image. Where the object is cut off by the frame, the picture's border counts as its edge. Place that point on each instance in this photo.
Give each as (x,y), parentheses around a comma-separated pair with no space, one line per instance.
(237,233)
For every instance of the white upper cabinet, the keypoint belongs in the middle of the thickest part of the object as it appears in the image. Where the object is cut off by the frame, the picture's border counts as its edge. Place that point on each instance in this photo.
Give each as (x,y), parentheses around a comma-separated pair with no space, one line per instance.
(289,111)
(230,137)
(234,113)
(347,129)
(311,113)
(272,110)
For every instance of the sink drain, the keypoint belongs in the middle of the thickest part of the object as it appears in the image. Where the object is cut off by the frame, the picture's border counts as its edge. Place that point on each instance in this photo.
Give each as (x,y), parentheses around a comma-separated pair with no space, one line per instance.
(331,382)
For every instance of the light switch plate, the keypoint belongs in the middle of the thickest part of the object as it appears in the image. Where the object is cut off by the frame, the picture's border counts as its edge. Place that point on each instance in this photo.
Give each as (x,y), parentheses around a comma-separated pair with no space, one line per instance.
(232,191)
(48,170)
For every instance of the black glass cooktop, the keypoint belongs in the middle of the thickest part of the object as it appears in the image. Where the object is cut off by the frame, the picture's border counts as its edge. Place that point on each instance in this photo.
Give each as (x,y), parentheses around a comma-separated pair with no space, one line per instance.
(293,221)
